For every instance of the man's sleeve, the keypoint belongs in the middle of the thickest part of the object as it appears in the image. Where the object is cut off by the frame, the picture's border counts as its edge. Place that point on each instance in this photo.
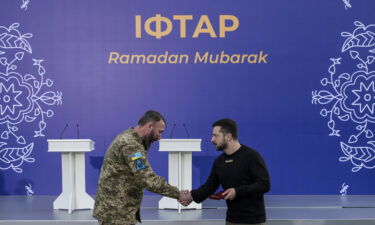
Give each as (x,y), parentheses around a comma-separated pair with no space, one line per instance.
(144,174)
(258,170)
(207,189)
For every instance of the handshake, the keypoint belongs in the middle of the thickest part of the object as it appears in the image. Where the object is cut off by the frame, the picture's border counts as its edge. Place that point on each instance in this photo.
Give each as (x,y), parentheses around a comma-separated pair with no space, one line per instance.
(184,198)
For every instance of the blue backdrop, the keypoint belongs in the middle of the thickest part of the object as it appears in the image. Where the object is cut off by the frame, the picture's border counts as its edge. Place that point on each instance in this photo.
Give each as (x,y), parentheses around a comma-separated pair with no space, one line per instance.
(307,107)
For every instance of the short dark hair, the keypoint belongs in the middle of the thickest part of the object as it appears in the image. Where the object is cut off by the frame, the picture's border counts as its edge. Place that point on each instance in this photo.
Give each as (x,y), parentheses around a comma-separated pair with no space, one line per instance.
(151,116)
(227,126)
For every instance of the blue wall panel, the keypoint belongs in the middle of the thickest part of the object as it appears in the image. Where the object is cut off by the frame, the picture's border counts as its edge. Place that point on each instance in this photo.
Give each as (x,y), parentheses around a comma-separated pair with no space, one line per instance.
(309,110)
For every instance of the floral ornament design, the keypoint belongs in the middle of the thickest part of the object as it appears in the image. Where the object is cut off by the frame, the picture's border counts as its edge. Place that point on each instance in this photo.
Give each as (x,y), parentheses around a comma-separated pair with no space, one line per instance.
(344,189)
(349,97)
(29,191)
(23,98)
(25,4)
(347,4)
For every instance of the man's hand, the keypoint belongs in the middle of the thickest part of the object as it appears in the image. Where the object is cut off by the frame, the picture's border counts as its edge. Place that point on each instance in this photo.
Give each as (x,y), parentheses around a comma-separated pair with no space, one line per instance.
(229,194)
(184,198)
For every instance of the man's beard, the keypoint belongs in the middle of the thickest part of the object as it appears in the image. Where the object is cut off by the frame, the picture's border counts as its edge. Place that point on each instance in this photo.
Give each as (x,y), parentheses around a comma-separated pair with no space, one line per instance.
(221,147)
(148,140)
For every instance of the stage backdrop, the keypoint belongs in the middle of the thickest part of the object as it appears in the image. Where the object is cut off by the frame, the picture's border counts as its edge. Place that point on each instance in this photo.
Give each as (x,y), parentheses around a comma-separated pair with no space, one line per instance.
(297,76)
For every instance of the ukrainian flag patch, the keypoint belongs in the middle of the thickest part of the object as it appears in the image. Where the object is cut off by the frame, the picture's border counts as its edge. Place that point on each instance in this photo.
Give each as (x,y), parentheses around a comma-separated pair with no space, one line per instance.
(136,156)
(138,161)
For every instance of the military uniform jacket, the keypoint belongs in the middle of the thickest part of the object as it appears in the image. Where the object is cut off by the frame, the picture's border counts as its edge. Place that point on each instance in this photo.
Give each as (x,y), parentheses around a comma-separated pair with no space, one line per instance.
(125,174)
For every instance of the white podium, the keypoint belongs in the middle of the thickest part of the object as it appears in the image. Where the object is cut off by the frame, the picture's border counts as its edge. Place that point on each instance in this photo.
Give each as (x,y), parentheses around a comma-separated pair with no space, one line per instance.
(73,194)
(179,168)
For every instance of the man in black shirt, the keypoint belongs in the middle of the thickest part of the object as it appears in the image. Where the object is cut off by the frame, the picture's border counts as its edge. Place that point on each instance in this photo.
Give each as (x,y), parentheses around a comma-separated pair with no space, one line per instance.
(241,172)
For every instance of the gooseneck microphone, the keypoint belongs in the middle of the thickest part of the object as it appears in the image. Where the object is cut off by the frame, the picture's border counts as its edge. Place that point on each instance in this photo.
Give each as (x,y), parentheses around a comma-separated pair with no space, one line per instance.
(77,131)
(174,125)
(187,132)
(62,132)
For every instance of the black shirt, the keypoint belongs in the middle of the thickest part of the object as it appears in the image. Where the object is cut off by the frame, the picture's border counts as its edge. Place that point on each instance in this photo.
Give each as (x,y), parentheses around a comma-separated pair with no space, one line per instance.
(245,171)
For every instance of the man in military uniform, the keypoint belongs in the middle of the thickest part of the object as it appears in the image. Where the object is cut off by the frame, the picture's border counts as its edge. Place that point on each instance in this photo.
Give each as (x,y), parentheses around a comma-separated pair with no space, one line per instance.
(126,172)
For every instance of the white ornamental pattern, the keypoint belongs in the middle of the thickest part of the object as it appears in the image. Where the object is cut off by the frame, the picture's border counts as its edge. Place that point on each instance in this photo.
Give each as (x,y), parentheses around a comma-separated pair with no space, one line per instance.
(24,98)
(349,97)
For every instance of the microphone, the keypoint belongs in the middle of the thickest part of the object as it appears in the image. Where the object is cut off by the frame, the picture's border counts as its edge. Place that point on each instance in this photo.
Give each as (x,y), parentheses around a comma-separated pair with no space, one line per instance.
(77,131)
(174,125)
(187,132)
(62,132)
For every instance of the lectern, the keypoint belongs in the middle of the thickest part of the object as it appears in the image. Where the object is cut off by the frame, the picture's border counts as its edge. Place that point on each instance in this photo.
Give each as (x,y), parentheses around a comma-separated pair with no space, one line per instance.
(73,194)
(179,168)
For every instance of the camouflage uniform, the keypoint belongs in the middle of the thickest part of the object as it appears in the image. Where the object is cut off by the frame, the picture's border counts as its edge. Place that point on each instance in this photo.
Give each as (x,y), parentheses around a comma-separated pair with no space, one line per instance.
(125,174)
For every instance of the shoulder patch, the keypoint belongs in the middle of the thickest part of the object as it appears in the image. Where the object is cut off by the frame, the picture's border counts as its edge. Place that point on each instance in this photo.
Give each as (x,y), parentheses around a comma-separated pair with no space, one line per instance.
(136,156)
(138,162)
